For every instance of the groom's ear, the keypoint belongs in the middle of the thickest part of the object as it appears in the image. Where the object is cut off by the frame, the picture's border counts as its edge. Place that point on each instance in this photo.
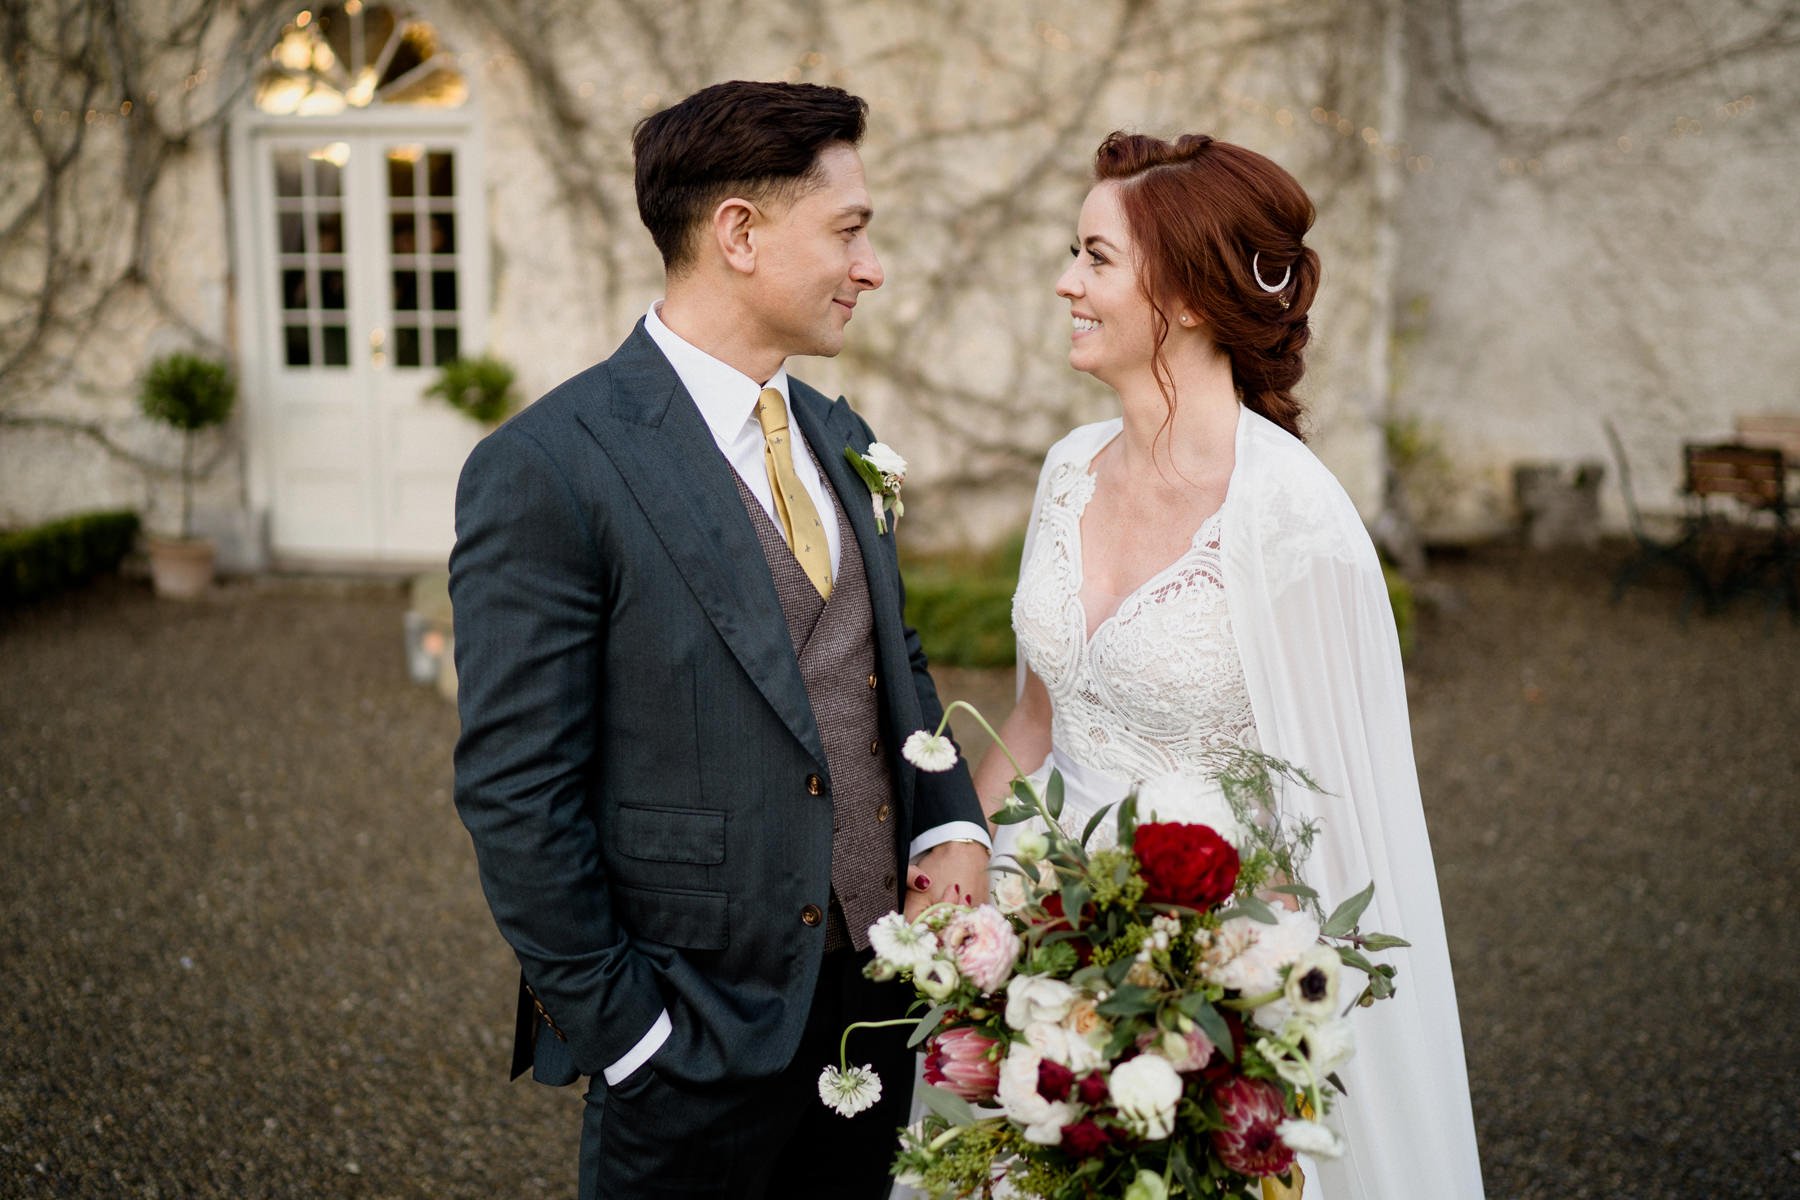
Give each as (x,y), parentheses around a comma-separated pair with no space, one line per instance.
(734,223)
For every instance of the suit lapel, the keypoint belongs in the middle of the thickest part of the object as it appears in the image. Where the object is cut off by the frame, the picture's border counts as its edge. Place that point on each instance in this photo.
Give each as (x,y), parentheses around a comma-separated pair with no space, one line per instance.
(656,439)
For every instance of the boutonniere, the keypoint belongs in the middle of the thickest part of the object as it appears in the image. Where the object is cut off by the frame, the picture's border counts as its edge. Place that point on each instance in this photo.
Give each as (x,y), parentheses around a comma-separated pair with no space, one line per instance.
(884,471)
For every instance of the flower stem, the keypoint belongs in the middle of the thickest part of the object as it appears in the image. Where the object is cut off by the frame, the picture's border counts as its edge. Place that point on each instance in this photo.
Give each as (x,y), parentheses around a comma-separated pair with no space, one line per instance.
(983,722)
(844,1042)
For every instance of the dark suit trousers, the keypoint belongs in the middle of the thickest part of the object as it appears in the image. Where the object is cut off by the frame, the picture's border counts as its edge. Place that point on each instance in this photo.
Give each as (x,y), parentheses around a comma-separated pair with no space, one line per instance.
(655,1136)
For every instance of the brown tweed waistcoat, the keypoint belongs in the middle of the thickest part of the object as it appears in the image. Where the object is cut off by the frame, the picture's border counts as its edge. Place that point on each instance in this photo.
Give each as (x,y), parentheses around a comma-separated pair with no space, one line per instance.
(835,643)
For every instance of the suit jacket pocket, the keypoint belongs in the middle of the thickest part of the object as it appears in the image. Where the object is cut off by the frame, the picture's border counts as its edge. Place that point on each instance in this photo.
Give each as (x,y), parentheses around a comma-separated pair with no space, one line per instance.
(679,835)
(688,919)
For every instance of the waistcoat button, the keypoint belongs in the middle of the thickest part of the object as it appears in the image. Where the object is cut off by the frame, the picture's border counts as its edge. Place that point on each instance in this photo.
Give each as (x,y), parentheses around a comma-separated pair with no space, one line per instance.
(810,915)
(815,786)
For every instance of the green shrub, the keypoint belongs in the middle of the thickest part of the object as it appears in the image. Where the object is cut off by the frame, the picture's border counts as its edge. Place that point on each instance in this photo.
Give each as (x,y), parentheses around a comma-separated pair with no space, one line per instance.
(481,388)
(1406,609)
(47,559)
(961,604)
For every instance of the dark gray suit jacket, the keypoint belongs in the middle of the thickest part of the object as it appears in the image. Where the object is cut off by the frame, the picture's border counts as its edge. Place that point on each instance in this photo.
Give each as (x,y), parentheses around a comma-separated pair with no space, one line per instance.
(638,759)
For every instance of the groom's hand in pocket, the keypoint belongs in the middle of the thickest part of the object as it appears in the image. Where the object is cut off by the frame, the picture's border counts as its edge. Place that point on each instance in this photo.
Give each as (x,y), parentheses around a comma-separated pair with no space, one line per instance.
(956,872)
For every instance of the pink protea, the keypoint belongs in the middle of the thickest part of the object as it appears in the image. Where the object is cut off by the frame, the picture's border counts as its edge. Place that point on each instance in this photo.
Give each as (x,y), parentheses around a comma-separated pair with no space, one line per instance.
(958,1061)
(1250,1143)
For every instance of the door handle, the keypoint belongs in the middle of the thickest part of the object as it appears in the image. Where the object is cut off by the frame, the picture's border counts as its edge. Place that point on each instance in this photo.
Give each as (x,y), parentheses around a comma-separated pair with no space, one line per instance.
(378,347)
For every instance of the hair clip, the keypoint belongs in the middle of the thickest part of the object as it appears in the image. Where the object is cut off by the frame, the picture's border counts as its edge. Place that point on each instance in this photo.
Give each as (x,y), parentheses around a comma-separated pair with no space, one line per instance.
(1276,289)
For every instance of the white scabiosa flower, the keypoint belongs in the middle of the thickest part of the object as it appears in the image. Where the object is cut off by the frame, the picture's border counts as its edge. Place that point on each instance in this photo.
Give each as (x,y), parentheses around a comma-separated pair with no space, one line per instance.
(901,944)
(849,1091)
(1310,1137)
(1146,1091)
(929,751)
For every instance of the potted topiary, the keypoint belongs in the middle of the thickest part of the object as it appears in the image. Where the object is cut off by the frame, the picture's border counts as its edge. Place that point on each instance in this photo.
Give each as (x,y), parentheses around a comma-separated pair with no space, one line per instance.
(481,388)
(188,393)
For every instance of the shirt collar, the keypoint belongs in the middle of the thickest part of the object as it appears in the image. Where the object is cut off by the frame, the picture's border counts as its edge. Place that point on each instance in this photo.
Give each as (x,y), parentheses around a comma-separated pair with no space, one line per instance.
(725,396)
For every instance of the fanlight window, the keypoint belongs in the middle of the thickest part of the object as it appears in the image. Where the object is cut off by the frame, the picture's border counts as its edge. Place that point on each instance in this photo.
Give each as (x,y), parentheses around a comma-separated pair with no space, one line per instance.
(352,55)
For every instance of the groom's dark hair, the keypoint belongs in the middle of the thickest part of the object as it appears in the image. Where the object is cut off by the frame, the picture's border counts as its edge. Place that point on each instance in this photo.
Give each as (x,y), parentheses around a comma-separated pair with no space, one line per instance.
(760,141)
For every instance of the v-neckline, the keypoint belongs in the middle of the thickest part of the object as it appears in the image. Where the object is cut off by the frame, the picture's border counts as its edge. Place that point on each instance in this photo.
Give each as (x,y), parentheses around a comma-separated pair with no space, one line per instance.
(1091,482)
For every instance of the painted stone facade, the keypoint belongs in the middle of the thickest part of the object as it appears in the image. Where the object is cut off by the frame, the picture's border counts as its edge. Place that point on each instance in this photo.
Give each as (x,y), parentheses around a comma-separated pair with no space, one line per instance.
(1504,310)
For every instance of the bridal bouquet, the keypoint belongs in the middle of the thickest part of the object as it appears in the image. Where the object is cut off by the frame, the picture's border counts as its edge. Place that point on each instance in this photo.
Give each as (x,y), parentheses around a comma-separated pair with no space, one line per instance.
(1158,1016)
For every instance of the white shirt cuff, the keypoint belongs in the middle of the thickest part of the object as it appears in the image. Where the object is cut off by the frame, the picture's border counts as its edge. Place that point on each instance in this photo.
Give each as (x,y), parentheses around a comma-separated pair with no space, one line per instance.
(640,1054)
(950,831)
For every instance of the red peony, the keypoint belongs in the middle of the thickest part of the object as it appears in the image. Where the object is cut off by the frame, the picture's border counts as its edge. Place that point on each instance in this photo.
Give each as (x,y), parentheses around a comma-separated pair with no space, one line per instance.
(1185,864)
(1250,1144)
(1084,1139)
(1093,1090)
(1054,1080)
(958,1061)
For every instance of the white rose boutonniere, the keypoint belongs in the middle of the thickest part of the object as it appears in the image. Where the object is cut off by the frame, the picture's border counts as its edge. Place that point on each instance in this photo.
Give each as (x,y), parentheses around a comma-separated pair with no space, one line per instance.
(883,471)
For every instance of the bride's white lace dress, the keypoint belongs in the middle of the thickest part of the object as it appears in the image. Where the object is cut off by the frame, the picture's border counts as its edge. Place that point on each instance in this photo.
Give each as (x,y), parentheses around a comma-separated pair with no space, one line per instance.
(1271,631)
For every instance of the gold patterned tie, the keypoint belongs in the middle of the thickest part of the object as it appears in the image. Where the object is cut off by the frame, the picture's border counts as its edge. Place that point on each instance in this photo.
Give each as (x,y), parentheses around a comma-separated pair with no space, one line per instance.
(799,518)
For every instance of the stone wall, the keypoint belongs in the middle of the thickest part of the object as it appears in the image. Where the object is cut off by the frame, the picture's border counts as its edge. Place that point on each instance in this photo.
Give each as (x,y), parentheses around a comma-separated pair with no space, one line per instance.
(1599,235)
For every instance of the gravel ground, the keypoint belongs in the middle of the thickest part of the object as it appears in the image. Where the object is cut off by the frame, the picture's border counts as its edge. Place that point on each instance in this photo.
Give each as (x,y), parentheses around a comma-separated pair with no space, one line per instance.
(243,951)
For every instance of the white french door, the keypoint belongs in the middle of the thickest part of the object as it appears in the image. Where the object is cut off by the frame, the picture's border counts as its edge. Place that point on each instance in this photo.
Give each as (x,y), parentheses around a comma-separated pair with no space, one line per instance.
(367,249)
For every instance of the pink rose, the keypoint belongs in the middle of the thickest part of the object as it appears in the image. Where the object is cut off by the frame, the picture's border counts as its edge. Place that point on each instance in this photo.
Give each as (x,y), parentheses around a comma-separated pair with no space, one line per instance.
(958,1060)
(984,946)
(1185,1052)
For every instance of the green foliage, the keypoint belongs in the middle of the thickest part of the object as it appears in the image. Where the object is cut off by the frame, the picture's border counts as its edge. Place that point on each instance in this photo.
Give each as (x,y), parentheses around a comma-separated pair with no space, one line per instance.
(1406,613)
(961,604)
(481,388)
(50,558)
(187,392)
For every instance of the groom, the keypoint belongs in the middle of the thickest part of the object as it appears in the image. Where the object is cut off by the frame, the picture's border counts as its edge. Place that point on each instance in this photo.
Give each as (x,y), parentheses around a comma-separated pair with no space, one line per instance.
(684,682)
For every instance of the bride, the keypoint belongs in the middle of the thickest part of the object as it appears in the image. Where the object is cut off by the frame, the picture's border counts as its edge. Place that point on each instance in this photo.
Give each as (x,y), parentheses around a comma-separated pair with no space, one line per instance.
(1195,581)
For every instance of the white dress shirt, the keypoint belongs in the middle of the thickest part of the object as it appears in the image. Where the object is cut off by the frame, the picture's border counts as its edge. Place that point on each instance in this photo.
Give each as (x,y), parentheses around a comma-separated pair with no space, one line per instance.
(726,398)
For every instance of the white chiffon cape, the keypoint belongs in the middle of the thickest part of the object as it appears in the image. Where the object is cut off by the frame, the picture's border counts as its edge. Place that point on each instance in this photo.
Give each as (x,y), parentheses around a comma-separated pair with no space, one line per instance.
(1315,630)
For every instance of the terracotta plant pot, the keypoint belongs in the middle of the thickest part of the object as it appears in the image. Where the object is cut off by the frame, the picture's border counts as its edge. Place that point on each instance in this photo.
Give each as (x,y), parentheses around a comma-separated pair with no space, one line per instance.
(181,568)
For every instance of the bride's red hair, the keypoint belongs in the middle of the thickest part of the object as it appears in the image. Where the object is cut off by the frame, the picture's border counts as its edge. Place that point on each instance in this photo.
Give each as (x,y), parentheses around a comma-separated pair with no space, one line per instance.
(1199,210)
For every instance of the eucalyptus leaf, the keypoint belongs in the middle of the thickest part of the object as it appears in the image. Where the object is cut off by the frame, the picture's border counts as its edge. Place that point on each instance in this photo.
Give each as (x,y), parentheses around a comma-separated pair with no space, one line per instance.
(1254,908)
(927,1025)
(1211,1022)
(1128,819)
(1353,957)
(948,1105)
(1094,823)
(1075,897)
(1053,794)
(1128,1000)
(1013,814)
(1295,889)
(1182,1169)
(1343,918)
(1383,941)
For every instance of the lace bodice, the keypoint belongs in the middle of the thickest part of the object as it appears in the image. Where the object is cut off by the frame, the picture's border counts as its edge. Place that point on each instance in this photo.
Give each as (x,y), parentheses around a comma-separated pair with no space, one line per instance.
(1159,684)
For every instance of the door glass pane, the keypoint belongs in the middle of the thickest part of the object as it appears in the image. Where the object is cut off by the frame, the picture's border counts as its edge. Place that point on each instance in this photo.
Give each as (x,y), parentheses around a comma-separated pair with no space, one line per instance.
(337,346)
(400,172)
(443,291)
(287,172)
(331,290)
(438,174)
(293,290)
(404,240)
(328,177)
(299,345)
(443,344)
(443,233)
(406,346)
(406,291)
(293,232)
(331,233)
